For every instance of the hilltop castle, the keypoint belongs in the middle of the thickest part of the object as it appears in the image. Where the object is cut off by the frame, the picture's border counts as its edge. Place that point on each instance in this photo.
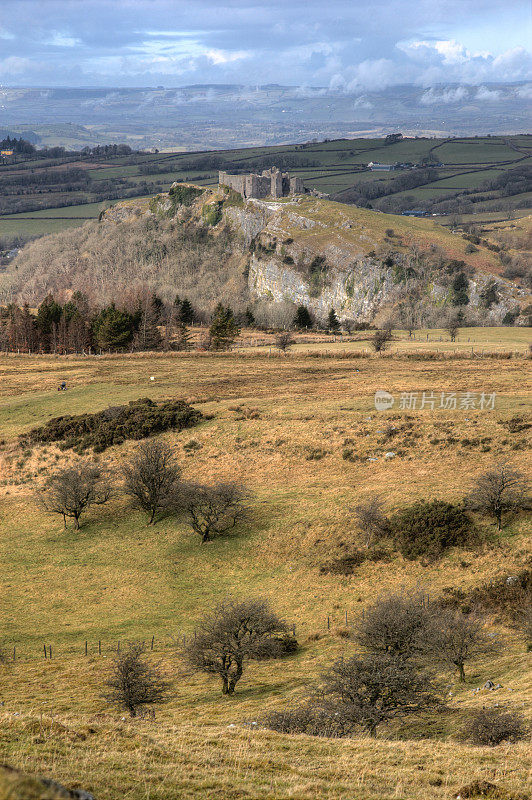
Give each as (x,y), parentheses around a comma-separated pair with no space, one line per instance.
(272,183)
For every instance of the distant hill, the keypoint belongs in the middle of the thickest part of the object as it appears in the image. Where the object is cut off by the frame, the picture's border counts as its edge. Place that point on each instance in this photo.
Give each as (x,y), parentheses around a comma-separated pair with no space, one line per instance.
(220,116)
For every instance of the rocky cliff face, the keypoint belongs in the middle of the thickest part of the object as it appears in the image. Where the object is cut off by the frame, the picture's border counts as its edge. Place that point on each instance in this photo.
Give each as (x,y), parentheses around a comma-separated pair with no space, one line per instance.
(212,246)
(327,255)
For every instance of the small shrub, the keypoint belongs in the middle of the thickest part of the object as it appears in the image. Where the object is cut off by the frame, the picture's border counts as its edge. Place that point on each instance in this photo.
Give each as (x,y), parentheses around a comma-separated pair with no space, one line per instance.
(183,195)
(133,683)
(491,726)
(306,719)
(316,454)
(429,528)
(507,595)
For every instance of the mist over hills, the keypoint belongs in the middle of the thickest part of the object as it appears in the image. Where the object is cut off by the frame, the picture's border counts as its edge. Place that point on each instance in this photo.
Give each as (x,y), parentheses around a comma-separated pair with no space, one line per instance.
(226,115)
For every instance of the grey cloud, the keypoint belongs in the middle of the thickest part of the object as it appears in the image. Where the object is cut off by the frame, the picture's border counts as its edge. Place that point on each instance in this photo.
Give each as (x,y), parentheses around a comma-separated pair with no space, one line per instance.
(344,45)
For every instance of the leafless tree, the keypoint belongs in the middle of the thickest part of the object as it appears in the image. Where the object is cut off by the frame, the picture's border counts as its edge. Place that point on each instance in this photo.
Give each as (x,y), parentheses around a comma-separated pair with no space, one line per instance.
(371,519)
(284,341)
(134,682)
(380,339)
(499,490)
(394,625)
(455,639)
(213,510)
(152,477)
(233,633)
(365,692)
(452,327)
(73,490)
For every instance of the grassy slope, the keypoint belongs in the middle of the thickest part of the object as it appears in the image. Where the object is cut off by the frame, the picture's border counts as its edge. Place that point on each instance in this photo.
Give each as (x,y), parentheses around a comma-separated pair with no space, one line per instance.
(367,231)
(117,579)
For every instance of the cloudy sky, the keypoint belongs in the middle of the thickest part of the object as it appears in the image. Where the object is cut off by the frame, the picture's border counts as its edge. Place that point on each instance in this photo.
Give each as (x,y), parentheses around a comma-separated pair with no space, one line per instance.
(344,45)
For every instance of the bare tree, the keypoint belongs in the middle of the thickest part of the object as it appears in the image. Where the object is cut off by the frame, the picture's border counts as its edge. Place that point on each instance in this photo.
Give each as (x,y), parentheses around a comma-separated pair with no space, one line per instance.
(452,327)
(284,341)
(380,340)
(499,490)
(365,692)
(75,489)
(456,639)
(371,519)
(213,510)
(394,626)
(152,477)
(233,633)
(133,682)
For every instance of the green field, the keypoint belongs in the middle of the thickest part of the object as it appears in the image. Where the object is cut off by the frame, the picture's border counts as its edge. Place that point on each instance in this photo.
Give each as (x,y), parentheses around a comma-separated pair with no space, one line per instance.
(331,166)
(118,579)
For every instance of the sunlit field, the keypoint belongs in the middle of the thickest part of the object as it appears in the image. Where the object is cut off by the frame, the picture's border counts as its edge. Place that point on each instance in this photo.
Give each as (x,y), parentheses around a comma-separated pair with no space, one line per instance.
(301,431)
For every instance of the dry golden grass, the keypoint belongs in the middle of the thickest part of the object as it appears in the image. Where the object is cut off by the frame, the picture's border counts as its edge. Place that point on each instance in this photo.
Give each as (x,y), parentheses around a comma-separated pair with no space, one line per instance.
(118,580)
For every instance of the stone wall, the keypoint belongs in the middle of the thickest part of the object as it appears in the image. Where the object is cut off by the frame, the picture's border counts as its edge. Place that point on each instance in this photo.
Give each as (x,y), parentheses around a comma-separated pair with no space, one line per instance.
(272,183)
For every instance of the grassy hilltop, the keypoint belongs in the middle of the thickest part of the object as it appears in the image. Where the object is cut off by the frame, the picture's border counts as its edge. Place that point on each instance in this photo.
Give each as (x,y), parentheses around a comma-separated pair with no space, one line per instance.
(474,169)
(282,425)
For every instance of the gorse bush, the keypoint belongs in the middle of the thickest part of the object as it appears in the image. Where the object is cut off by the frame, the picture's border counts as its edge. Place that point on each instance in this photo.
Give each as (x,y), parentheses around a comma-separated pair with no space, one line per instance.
(429,528)
(138,420)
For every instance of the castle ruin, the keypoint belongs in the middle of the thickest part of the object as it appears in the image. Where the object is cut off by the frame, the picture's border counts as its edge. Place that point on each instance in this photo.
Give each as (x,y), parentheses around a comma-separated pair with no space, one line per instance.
(272,183)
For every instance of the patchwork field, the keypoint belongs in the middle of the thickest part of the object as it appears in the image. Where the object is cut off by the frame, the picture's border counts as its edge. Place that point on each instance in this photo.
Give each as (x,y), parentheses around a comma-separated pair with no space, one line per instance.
(282,425)
(335,167)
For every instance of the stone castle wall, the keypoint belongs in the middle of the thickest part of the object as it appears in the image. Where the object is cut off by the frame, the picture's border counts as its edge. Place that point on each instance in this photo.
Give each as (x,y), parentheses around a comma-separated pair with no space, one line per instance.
(272,183)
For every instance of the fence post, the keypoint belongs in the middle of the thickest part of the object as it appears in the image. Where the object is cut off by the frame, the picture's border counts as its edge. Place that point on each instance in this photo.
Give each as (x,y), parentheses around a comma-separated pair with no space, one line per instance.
(44,651)
(328,623)
(99,647)
(14,654)
(346,619)
(152,641)
(50,648)
(86,647)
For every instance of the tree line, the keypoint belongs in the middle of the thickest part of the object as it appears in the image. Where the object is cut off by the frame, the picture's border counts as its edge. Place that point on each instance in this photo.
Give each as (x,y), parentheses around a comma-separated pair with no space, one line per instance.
(76,327)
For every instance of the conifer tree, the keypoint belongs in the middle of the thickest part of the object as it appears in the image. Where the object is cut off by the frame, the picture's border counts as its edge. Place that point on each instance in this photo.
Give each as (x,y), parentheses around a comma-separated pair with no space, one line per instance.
(333,323)
(224,329)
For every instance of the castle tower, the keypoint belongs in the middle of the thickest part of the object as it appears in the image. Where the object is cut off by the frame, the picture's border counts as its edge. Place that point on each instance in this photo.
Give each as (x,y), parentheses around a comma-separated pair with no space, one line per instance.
(276,183)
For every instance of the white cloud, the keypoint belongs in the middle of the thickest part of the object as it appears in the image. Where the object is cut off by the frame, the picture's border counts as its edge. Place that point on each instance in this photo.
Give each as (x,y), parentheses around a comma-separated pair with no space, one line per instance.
(12,66)
(524,92)
(369,75)
(362,103)
(447,96)
(225,56)
(61,39)
(487,95)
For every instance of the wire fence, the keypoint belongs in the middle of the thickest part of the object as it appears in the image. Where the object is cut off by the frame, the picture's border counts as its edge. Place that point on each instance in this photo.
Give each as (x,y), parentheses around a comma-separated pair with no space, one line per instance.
(334,621)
